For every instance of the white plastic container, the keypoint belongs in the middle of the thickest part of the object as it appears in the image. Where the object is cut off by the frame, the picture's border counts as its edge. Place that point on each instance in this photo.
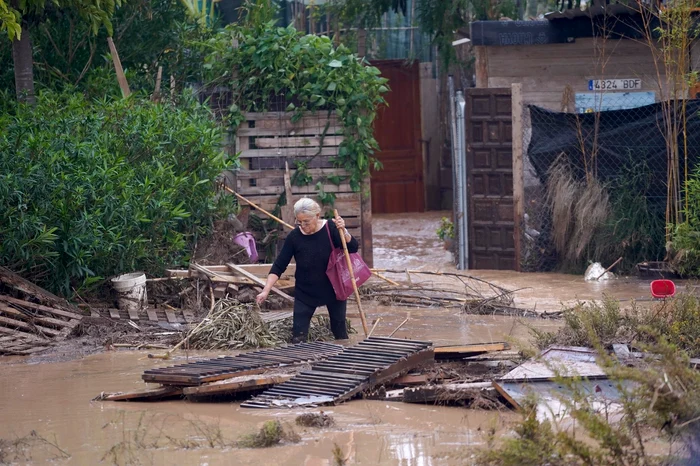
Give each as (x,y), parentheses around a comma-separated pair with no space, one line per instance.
(131,291)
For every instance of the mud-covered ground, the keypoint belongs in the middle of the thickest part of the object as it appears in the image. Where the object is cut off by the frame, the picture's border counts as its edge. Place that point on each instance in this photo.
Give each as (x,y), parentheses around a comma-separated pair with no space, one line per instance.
(51,394)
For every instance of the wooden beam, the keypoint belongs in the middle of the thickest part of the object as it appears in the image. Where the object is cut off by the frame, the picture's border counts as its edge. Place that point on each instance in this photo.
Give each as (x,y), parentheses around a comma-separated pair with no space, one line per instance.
(40,307)
(149,394)
(482,66)
(518,171)
(463,351)
(4,308)
(237,384)
(259,281)
(366,219)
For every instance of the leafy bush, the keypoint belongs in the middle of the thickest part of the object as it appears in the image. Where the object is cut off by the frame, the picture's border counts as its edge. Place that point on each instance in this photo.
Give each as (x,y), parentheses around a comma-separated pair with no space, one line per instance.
(93,189)
(306,73)
(590,324)
(686,236)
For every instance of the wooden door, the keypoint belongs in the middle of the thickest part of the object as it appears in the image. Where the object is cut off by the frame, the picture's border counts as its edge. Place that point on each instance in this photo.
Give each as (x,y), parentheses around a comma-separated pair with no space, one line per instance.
(398,187)
(489,137)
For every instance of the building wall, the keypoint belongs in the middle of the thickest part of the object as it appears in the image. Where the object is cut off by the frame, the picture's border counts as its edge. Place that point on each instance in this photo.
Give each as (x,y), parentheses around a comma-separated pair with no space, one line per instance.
(545,71)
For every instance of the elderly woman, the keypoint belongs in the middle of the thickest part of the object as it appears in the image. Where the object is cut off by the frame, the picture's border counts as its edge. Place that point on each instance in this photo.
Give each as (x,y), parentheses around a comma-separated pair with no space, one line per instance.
(310,245)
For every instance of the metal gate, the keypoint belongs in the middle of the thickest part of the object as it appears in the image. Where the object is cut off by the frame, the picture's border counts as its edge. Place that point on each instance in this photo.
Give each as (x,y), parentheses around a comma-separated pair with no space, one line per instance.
(488,124)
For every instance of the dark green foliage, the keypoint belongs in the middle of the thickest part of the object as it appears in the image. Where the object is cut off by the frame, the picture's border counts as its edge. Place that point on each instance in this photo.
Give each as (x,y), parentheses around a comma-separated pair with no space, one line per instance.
(308,74)
(93,189)
(635,228)
(686,236)
(147,34)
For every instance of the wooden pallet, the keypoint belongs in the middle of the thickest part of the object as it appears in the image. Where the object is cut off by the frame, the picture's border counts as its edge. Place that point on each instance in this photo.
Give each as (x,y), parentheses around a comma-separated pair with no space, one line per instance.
(151,314)
(268,141)
(31,318)
(358,368)
(256,362)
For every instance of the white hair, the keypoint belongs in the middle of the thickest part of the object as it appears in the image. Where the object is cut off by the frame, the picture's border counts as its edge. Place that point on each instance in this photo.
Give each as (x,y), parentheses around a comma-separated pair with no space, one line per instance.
(306,205)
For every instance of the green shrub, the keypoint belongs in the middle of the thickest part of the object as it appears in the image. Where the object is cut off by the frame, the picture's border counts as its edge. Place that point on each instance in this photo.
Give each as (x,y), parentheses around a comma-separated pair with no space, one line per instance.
(93,189)
(686,236)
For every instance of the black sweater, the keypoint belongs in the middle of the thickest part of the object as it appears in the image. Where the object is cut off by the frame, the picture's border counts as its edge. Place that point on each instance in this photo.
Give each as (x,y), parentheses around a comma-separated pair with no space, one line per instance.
(311,253)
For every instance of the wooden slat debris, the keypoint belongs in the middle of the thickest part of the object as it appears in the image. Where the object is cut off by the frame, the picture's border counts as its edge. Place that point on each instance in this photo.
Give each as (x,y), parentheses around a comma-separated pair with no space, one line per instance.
(259,281)
(358,368)
(445,392)
(251,363)
(237,385)
(31,318)
(149,394)
(465,351)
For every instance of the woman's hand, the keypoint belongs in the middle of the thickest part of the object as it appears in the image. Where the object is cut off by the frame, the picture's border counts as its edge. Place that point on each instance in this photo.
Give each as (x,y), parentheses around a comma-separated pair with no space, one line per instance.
(262,296)
(339,222)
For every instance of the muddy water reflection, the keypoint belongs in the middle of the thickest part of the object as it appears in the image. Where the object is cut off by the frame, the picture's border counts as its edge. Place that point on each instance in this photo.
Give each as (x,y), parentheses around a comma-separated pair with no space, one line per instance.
(54,400)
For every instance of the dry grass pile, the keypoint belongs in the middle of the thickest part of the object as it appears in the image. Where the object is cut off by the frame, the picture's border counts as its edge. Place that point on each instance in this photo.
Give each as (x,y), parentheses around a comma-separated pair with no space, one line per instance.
(270,434)
(234,325)
(319,419)
(579,208)
(676,321)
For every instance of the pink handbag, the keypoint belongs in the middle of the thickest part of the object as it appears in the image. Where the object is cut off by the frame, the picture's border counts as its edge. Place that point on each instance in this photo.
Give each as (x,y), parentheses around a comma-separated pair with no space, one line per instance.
(338,272)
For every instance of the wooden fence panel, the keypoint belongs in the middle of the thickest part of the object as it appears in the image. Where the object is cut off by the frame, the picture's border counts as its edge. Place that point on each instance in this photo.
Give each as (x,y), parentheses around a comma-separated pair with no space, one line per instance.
(265,141)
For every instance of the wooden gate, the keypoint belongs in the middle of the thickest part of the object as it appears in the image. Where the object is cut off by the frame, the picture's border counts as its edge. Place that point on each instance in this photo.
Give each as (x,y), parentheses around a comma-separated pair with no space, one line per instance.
(490,179)
(398,187)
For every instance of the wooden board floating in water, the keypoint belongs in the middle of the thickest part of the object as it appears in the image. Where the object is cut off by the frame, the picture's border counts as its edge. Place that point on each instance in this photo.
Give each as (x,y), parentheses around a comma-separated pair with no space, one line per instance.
(255,362)
(369,363)
(149,394)
(237,385)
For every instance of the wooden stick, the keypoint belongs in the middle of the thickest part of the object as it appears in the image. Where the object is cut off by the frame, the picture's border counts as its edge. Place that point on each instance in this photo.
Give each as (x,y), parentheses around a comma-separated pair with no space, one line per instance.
(608,269)
(156,93)
(121,78)
(352,277)
(397,328)
(279,220)
(376,322)
(389,281)
(257,280)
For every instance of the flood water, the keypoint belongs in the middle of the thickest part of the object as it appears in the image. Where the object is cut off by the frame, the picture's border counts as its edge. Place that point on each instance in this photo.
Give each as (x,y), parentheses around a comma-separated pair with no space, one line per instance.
(53,399)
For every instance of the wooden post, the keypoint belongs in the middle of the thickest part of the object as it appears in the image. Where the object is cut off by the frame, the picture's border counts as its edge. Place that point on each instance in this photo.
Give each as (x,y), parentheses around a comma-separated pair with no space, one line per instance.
(482,66)
(518,169)
(123,84)
(366,221)
(361,42)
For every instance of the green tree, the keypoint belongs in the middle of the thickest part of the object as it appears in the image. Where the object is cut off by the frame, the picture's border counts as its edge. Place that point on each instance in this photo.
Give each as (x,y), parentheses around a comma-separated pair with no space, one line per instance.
(20,17)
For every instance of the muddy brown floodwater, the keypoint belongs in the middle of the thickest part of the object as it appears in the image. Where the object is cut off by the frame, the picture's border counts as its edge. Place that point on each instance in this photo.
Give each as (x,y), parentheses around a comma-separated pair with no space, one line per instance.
(54,399)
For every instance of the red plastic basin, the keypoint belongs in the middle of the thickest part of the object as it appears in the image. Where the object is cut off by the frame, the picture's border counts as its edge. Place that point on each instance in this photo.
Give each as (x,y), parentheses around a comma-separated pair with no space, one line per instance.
(663,288)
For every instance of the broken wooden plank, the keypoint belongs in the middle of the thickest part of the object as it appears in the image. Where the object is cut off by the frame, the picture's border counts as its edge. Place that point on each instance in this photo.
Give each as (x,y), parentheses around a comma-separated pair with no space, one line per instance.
(237,384)
(188,315)
(444,392)
(464,351)
(37,318)
(40,307)
(170,315)
(12,279)
(149,394)
(259,281)
(114,314)
(30,336)
(152,316)
(133,314)
(411,379)
(26,326)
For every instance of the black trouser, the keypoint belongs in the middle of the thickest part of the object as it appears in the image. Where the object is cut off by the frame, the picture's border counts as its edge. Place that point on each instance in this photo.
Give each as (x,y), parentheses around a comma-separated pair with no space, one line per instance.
(302,320)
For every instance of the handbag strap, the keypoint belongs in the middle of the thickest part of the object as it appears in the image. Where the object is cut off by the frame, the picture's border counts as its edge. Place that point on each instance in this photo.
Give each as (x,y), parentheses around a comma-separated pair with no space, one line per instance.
(328,230)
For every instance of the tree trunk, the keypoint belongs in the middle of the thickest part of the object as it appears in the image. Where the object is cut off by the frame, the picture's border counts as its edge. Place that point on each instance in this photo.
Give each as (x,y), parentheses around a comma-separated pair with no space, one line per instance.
(23,60)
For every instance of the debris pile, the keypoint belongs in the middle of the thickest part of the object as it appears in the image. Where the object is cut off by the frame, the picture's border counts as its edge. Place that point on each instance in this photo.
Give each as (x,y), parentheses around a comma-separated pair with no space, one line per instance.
(234,325)
(31,318)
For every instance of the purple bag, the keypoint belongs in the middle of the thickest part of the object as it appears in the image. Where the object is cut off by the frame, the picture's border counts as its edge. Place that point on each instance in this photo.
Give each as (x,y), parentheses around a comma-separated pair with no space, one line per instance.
(338,272)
